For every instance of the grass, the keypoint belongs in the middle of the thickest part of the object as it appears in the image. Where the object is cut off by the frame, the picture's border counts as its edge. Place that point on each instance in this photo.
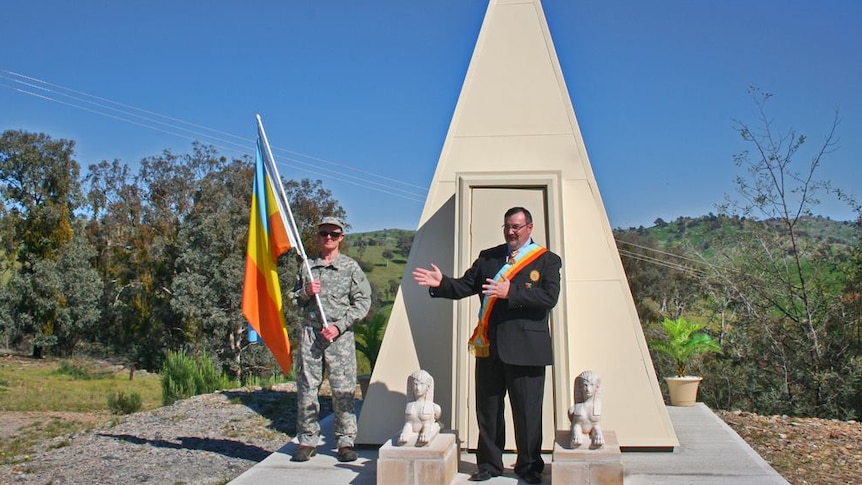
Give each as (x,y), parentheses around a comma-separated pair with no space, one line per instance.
(69,385)
(53,385)
(383,271)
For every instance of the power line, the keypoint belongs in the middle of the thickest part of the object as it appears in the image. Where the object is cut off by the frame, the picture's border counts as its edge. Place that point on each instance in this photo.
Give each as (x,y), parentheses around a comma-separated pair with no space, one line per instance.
(661,262)
(233,143)
(219,139)
(647,248)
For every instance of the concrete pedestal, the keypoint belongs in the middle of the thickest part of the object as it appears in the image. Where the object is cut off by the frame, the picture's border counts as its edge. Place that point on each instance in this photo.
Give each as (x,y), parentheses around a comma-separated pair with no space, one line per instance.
(585,466)
(433,464)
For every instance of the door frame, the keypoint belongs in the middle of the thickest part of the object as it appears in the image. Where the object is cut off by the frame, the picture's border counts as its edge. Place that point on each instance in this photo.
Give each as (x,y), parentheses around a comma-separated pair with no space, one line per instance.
(549,182)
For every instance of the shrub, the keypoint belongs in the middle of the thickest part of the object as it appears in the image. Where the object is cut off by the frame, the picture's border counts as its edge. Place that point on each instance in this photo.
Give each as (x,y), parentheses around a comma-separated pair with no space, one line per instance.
(74,371)
(122,403)
(365,266)
(370,337)
(264,382)
(185,376)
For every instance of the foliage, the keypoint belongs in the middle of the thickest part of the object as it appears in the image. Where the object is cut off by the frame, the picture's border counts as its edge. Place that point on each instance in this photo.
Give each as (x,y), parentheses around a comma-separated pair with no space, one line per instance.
(311,202)
(664,287)
(39,187)
(369,337)
(154,262)
(207,288)
(136,225)
(684,340)
(184,376)
(787,332)
(265,382)
(405,243)
(777,285)
(39,191)
(56,301)
(122,403)
(379,276)
(75,371)
(705,236)
(154,259)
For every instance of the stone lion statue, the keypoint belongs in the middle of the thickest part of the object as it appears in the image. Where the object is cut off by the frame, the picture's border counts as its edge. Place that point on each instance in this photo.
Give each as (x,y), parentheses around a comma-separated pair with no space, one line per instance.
(422,413)
(586,414)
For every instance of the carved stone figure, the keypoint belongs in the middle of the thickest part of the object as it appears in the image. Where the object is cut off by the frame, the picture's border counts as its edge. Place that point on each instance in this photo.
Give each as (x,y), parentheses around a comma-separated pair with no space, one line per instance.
(422,413)
(586,414)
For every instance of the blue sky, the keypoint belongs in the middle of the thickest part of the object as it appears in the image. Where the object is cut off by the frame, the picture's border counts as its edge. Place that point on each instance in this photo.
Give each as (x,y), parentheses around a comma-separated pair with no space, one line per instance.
(359,94)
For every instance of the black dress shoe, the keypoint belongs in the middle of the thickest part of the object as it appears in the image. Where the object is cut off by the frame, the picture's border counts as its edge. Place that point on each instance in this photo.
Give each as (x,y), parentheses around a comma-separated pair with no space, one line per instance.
(532,477)
(481,476)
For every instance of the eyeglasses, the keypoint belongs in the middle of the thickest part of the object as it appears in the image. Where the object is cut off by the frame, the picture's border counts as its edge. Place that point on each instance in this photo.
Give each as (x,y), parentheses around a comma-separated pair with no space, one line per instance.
(332,234)
(516,228)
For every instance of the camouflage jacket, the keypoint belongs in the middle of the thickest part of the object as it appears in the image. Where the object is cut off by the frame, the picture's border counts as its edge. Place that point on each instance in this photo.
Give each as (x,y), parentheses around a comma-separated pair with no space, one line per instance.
(344,293)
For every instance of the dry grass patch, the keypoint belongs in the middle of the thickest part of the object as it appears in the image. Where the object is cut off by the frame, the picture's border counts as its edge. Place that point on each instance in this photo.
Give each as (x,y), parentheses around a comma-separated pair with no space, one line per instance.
(43,399)
(70,385)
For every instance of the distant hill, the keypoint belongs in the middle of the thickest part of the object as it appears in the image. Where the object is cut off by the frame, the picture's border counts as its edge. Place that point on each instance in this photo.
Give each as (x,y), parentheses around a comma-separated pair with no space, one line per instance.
(703,234)
(707,233)
(382,255)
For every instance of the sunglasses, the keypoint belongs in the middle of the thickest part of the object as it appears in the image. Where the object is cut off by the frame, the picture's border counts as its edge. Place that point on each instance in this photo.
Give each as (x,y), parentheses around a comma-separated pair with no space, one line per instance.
(332,234)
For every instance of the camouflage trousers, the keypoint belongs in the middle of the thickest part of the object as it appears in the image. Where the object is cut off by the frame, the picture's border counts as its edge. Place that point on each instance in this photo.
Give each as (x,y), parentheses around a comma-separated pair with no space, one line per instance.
(339,359)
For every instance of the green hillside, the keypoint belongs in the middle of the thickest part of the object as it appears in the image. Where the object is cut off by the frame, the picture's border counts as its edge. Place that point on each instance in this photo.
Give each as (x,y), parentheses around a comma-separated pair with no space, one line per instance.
(383,256)
(704,235)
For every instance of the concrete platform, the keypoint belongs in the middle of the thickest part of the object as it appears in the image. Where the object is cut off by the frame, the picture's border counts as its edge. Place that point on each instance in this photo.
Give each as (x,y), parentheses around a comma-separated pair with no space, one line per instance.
(710,452)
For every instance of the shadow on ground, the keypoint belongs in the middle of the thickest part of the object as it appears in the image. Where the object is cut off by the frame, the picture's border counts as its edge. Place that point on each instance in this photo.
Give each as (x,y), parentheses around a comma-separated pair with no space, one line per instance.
(230,448)
(277,406)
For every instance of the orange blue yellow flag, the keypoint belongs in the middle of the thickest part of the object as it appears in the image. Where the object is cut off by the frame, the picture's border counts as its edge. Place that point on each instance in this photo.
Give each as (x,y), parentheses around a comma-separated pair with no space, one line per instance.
(268,238)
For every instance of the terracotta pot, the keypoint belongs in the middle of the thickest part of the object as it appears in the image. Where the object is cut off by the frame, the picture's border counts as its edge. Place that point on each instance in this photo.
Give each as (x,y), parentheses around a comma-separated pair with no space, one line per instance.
(683,390)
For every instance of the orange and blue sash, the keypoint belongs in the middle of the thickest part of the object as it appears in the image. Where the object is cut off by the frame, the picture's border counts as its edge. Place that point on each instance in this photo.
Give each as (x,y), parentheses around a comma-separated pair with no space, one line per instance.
(478,343)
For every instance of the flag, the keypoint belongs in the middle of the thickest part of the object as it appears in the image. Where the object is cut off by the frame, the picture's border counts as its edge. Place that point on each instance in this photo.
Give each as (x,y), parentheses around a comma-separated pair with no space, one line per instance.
(268,238)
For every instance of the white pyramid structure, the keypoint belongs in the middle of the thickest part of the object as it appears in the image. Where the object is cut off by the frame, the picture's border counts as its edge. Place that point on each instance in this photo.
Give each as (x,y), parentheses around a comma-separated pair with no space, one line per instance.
(514,140)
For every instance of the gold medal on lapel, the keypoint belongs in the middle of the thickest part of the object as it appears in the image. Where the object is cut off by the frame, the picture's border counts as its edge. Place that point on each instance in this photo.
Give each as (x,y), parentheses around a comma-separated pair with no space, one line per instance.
(534,276)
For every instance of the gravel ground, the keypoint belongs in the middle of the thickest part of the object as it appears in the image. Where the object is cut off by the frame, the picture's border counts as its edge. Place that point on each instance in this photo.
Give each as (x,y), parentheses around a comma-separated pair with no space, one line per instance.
(207,439)
(212,439)
(803,450)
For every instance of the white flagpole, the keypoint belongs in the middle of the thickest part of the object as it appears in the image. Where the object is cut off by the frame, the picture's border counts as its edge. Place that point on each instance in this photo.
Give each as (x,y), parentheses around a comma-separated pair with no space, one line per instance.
(286,213)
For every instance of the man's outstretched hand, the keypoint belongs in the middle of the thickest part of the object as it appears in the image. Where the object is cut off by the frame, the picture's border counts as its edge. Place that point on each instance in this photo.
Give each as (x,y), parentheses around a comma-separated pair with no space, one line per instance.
(428,277)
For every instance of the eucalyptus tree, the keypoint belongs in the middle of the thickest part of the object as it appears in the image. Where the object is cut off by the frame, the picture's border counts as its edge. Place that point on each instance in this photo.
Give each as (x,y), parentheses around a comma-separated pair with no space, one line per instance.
(310,201)
(208,287)
(57,302)
(136,221)
(39,191)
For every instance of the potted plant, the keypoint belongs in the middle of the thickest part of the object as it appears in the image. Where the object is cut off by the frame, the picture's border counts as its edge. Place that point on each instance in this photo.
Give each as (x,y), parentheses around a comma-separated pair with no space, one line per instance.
(684,340)
(369,339)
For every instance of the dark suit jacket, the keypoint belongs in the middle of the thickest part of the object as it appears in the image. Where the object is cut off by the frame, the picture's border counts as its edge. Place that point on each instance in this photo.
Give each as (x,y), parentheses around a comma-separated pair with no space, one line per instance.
(518,327)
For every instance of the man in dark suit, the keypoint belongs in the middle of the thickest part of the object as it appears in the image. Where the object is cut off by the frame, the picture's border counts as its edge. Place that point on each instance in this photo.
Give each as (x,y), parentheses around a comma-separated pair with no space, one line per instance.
(519,283)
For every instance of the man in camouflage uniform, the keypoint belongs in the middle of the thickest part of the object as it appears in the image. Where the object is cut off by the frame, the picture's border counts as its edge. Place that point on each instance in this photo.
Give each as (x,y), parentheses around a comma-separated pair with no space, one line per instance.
(345,295)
